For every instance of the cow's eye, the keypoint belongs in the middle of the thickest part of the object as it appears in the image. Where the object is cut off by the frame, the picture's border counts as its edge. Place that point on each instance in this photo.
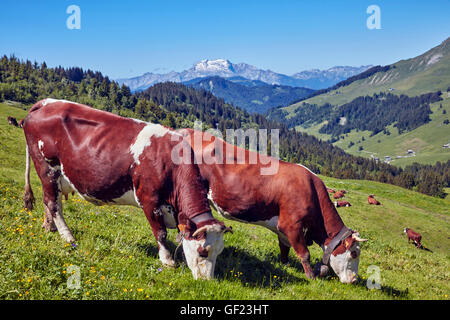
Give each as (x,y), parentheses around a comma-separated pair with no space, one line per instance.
(354,254)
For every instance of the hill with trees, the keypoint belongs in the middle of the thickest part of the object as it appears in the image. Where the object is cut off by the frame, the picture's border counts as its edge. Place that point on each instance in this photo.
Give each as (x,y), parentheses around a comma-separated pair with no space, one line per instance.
(177,106)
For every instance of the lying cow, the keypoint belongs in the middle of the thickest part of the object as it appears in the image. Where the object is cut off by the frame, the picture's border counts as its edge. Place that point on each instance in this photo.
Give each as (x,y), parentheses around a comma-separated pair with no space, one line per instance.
(338,195)
(414,236)
(292,202)
(108,159)
(372,200)
(342,203)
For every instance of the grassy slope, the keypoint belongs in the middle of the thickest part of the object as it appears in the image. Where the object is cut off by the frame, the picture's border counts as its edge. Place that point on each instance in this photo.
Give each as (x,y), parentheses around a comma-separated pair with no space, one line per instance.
(426,141)
(117,254)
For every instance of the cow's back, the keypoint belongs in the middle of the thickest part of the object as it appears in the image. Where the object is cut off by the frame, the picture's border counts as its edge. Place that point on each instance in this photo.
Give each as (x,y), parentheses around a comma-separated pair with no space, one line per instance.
(91,147)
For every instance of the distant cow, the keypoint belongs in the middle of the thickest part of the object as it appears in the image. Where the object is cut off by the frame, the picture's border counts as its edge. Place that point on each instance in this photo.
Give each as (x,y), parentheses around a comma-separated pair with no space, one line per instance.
(108,159)
(372,200)
(329,190)
(343,191)
(342,203)
(338,195)
(12,121)
(414,236)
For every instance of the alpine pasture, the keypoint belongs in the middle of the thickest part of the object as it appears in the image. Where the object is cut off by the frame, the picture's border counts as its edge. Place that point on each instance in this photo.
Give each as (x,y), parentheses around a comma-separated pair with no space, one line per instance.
(115,256)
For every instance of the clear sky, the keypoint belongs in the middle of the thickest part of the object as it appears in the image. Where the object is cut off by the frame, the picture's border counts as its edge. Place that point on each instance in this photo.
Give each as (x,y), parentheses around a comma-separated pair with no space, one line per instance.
(129,38)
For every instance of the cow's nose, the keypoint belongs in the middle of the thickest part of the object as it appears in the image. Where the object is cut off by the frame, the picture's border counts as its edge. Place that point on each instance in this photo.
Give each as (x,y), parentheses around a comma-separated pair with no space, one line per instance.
(354,279)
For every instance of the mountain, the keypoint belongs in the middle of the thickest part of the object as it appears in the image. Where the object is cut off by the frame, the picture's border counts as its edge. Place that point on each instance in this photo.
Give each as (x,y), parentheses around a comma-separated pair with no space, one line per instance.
(251,95)
(384,111)
(313,79)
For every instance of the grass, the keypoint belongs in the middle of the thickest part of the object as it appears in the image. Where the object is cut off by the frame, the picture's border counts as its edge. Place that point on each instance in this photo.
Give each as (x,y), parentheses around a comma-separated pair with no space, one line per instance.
(116,254)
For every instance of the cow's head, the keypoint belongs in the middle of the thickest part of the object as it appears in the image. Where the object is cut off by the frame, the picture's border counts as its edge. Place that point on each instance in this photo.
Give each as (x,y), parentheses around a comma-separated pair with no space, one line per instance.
(202,246)
(344,259)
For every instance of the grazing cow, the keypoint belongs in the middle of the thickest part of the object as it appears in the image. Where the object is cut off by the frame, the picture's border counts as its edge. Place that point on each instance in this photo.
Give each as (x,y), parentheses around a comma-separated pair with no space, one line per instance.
(342,203)
(372,200)
(414,236)
(292,202)
(338,195)
(108,159)
(329,190)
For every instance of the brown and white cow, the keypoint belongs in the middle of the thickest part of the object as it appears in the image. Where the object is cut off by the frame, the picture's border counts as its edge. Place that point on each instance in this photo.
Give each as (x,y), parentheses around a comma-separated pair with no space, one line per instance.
(292,202)
(414,236)
(342,203)
(108,159)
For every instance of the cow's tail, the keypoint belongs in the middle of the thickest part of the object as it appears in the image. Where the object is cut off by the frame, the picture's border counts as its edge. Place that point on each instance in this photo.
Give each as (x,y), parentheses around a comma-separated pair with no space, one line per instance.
(28,197)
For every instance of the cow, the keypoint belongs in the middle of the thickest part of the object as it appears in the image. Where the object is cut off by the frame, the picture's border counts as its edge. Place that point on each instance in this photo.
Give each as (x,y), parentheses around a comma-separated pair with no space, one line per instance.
(342,203)
(372,200)
(414,236)
(329,190)
(338,195)
(108,159)
(12,121)
(292,202)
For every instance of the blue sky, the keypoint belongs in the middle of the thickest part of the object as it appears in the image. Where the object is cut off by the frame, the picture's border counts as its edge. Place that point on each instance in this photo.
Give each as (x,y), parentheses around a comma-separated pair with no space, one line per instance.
(129,38)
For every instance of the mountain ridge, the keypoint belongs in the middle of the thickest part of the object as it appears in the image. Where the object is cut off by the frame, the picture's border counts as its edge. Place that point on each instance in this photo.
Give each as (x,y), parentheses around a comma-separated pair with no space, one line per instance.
(312,79)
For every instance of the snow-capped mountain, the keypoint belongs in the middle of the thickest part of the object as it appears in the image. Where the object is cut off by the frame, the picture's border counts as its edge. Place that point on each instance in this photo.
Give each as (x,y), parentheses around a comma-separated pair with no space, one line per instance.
(313,79)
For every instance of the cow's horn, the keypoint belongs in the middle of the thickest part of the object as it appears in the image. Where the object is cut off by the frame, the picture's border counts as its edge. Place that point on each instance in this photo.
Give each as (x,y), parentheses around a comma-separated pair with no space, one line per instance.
(357,238)
(204,228)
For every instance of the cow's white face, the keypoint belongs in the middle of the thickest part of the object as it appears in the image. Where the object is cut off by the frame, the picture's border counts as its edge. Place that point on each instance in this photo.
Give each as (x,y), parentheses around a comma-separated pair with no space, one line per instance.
(345,262)
(201,254)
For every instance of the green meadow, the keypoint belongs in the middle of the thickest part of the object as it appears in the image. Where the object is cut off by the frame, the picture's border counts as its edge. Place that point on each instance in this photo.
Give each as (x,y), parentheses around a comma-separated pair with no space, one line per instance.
(116,254)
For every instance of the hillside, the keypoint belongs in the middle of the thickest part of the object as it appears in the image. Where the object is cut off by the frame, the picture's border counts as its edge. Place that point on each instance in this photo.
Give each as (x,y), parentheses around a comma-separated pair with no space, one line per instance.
(429,72)
(177,106)
(117,254)
(253,98)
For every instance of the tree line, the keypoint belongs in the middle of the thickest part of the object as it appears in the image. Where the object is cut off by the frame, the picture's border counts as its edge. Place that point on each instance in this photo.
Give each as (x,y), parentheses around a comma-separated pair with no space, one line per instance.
(175,105)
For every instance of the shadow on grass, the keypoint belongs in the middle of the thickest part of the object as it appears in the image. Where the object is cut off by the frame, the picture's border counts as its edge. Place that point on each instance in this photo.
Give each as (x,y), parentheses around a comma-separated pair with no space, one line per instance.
(388,290)
(237,264)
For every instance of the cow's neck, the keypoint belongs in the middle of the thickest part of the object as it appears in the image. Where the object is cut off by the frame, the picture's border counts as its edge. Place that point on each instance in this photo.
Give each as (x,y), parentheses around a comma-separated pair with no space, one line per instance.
(332,224)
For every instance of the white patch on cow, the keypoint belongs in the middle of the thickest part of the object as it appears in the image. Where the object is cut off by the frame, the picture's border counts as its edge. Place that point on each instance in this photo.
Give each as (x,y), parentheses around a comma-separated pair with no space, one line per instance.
(40,147)
(128,198)
(51,100)
(344,265)
(164,255)
(66,185)
(143,139)
(203,267)
(168,216)
(306,168)
(136,198)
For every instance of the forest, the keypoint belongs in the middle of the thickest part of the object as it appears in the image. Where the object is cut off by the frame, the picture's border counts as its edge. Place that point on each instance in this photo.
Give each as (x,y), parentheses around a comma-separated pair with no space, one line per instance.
(176,106)
(371,113)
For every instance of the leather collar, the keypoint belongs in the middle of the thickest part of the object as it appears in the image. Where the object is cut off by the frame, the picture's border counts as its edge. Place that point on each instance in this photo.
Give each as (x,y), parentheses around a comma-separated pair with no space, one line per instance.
(343,233)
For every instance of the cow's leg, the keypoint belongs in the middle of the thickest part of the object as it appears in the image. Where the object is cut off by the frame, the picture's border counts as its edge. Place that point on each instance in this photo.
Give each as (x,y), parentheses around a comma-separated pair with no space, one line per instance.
(298,242)
(156,220)
(284,250)
(51,186)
